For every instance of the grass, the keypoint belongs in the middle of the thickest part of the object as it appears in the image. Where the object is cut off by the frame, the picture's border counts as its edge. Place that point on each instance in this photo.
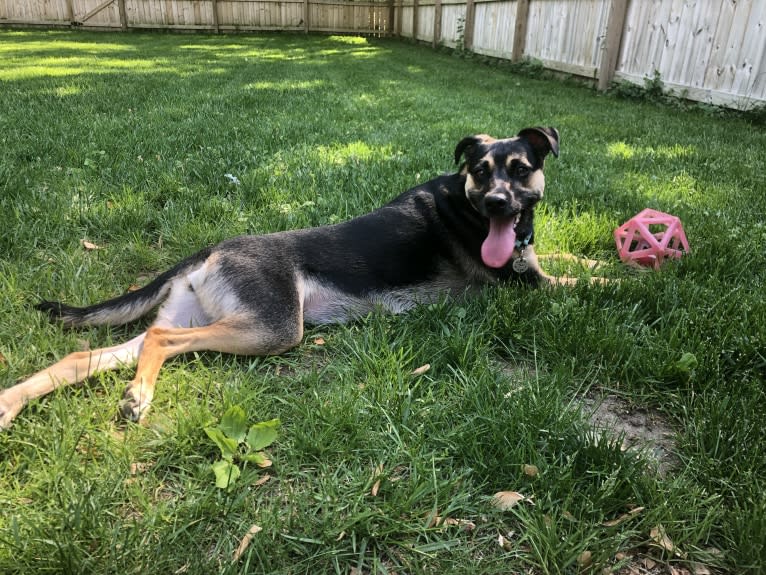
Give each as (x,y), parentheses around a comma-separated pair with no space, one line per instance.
(126,140)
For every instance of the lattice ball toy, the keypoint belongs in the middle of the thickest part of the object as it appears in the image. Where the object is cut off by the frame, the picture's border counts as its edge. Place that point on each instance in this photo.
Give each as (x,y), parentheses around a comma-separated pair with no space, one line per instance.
(649,237)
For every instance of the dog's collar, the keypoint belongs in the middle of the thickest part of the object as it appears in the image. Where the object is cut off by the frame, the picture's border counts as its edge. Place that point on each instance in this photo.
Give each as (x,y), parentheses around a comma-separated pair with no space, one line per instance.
(521,244)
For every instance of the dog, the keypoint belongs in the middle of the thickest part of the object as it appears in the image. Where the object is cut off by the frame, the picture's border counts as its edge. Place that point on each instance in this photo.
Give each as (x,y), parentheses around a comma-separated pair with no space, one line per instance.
(251,295)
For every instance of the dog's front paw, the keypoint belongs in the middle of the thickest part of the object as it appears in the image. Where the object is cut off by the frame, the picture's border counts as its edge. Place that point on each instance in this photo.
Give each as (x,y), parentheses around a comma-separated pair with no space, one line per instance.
(9,409)
(134,404)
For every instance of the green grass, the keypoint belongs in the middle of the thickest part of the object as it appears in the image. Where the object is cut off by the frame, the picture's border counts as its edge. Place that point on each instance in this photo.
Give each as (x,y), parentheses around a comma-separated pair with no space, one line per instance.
(125,140)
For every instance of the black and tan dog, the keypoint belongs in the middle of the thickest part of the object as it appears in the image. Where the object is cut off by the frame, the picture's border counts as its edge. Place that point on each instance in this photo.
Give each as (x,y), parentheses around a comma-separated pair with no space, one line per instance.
(252,294)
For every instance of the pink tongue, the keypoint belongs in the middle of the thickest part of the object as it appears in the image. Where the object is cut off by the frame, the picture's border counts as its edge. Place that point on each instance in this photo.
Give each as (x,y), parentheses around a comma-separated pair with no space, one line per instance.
(498,247)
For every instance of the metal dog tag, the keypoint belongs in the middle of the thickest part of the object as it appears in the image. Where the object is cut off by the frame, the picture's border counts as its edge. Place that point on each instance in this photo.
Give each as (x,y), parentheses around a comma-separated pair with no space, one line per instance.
(520,265)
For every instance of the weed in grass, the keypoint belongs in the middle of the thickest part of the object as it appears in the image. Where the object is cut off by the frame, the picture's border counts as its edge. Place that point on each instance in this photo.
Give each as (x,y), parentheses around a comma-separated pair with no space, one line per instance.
(126,141)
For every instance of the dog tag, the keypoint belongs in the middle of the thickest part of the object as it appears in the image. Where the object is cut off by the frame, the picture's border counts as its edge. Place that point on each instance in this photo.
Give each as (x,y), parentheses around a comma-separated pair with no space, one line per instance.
(520,265)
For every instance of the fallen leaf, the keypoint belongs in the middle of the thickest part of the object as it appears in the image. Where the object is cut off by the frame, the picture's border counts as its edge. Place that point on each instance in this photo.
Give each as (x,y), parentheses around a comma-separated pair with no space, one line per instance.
(319,341)
(585,559)
(623,517)
(262,480)
(89,245)
(699,568)
(648,563)
(375,487)
(504,500)
(504,543)
(266,462)
(422,369)
(254,529)
(139,467)
(133,287)
(530,470)
(660,539)
(341,536)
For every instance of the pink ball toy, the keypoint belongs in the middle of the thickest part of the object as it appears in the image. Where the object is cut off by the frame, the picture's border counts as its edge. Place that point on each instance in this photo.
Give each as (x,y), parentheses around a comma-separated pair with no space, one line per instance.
(649,237)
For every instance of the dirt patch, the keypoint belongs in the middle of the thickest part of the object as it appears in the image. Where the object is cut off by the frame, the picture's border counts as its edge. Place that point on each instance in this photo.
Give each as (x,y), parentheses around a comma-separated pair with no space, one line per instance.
(641,429)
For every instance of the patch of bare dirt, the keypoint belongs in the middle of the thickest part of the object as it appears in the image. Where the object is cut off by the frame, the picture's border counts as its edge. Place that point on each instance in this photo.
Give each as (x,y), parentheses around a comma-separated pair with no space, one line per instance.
(642,429)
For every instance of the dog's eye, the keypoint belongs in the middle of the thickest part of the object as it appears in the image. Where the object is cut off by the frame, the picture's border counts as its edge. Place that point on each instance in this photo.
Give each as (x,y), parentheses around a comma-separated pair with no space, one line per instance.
(522,171)
(479,172)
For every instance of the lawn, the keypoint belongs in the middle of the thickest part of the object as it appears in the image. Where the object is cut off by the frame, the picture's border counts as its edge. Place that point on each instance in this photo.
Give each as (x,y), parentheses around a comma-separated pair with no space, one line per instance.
(115,150)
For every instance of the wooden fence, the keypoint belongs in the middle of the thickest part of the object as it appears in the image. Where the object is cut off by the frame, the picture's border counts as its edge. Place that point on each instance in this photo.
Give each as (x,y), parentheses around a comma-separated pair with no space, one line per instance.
(708,50)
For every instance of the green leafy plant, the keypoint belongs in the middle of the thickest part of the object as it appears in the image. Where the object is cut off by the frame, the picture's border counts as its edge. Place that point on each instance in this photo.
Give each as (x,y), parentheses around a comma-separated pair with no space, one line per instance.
(238,444)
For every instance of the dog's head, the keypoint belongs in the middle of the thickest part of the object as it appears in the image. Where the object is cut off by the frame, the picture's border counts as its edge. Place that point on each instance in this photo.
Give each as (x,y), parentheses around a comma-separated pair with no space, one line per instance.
(503,182)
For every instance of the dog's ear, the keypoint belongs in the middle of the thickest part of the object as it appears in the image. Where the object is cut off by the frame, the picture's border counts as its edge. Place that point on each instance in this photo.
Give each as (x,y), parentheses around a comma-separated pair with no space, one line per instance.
(469,142)
(542,140)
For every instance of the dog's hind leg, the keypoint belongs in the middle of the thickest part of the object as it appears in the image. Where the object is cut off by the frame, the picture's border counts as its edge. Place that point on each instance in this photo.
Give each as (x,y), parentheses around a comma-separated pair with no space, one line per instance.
(237,334)
(74,368)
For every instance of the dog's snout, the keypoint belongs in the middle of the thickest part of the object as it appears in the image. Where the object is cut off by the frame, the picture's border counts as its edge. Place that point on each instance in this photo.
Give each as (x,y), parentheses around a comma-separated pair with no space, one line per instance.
(496,202)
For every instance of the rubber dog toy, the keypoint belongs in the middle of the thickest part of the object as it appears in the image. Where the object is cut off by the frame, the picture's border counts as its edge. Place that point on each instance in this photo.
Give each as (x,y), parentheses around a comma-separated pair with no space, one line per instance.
(649,237)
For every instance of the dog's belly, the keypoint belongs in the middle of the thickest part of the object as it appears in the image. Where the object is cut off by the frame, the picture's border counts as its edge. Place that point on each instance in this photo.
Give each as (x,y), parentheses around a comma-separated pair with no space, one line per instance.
(324,303)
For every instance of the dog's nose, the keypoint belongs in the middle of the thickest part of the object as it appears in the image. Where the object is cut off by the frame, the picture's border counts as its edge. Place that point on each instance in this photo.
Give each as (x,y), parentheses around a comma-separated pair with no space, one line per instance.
(495,202)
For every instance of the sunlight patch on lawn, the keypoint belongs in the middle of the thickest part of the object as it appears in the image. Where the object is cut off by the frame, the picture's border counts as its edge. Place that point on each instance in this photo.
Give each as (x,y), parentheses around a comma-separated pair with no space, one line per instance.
(76,66)
(285,85)
(353,151)
(628,151)
(668,192)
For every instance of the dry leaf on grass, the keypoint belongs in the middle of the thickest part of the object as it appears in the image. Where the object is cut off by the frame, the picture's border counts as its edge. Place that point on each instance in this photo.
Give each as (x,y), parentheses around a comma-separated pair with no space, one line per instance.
(699,568)
(623,517)
(504,543)
(504,500)
(262,480)
(3,361)
(89,245)
(530,470)
(422,369)
(585,559)
(319,341)
(254,529)
(660,539)
(139,467)
(266,462)
(376,475)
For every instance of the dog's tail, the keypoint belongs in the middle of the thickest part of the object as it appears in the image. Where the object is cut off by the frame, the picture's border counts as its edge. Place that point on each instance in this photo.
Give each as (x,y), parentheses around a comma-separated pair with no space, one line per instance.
(125,308)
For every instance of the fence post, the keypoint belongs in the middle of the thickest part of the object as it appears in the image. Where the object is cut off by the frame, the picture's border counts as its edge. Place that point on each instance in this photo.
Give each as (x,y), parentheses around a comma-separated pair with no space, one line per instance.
(468,23)
(520,30)
(123,14)
(415,15)
(391,24)
(216,25)
(306,16)
(615,26)
(437,23)
(399,16)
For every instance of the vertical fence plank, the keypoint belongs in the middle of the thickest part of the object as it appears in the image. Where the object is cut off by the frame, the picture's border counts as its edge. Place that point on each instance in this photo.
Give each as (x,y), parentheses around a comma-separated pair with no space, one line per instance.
(615,26)
(470,16)
(520,30)
(216,25)
(437,23)
(415,18)
(306,16)
(123,14)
